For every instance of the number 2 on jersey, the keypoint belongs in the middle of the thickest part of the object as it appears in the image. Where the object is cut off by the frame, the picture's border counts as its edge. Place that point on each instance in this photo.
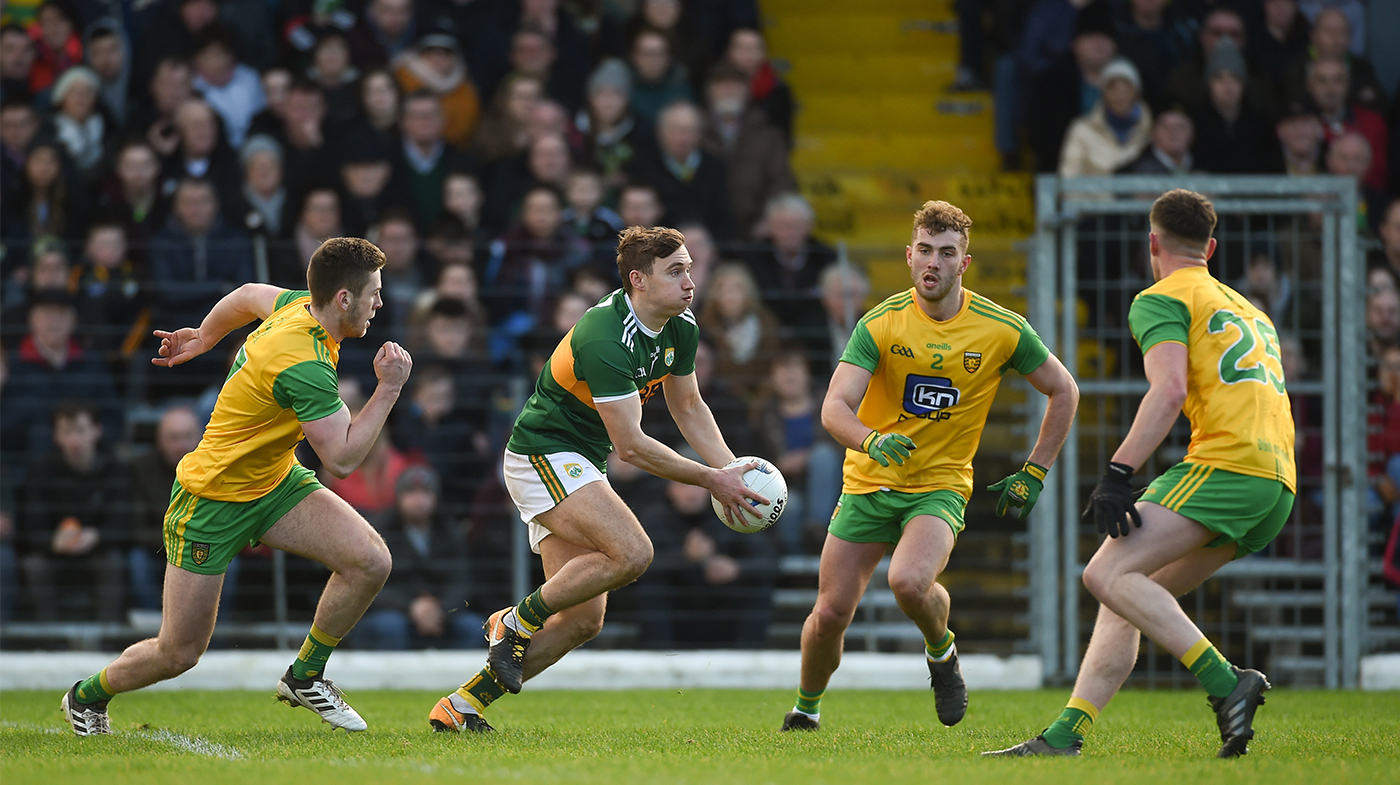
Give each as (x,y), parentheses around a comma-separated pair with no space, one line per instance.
(1251,332)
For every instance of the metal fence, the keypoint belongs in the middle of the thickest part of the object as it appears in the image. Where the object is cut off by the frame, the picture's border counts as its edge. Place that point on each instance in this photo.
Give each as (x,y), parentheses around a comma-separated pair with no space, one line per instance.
(1302,608)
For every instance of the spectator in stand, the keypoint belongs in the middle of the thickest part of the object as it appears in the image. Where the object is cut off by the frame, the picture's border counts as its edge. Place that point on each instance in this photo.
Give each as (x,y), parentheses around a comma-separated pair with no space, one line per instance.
(550,118)
(318,219)
(1114,132)
(1349,155)
(504,129)
(338,78)
(308,156)
(436,427)
(767,90)
(172,30)
(530,263)
(403,270)
(1382,321)
(276,83)
(844,290)
(436,66)
(112,302)
(1388,230)
(1157,39)
(691,182)
(787,415)
(385,29)
(16,60)
(639,205)
(546,163)
(787,264)
(152,475)
(1170,150)
(203,154)
(56,45)
(370,488)
(1328,84)
(74,521)
(1300,134)
(708,586)
(425,157)
(1231,137)
(367,181)
(49,203)
(109,55)
(87,134)
(381,102)
(132,195)
(422,604)
(196,260)
(665,16)
(658,81)
(170,86)
(532,54)
(1330,39)
(462,199)
(449,243)
(231,88)
(48,269)
(612,130)
(754,153)
(588,218)
(19,124)
(1187,87)
(1277,40)
(49,367)
(566,50)
(1070,87)
(264,205)
(746,334)
(1383,471)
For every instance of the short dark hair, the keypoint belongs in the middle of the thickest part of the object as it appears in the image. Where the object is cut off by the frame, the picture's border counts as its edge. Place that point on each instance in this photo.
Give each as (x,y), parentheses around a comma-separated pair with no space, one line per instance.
(1185,215)
(638,248)
(341,263)
(939,216)
(72,409)
(448,308)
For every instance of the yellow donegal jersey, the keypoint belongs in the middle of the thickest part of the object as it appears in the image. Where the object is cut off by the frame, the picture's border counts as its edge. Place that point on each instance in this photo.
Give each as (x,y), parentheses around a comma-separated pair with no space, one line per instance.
(1235,398)
(933,382)
(283,376)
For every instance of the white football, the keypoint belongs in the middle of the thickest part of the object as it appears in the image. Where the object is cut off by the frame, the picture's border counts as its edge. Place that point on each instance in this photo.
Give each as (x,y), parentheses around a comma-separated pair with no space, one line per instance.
(766,481)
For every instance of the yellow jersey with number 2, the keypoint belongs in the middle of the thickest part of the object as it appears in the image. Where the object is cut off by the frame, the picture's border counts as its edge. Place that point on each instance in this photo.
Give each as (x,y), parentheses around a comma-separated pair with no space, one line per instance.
(1240,415)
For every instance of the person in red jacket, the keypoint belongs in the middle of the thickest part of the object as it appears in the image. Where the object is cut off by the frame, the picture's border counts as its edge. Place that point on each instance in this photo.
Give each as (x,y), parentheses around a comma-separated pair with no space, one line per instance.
(57,46)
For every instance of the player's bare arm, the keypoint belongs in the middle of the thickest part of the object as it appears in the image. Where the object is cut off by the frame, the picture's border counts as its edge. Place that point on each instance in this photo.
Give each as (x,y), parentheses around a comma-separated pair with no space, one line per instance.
(1165,364)
(342,443)
(694,418)
(1053,381)
(239,307)
(843,397)
(623,419)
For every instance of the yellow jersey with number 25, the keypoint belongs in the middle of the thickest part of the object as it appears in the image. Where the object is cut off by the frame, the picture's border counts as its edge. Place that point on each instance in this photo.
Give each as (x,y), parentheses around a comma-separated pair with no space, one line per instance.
(1240,415)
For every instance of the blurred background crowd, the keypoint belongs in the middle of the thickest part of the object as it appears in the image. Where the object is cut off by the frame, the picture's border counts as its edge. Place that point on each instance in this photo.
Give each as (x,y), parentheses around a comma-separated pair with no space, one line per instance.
(155,154)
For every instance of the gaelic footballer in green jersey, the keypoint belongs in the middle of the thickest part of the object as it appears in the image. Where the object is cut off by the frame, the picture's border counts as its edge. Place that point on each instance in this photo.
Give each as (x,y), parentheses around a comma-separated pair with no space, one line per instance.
(636,342)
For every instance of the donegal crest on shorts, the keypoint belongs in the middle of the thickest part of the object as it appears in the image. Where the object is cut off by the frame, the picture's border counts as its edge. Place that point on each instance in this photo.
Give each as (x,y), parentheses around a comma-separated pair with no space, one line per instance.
(199,552)
(972,361)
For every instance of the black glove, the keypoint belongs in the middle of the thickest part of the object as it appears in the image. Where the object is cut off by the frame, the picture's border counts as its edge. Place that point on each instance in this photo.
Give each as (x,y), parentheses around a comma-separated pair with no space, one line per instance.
(1111,504)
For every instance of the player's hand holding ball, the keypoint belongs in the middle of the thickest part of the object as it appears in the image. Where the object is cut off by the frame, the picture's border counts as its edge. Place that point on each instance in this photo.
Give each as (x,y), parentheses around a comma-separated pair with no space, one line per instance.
(1021,489)
(886,447)
(760,502)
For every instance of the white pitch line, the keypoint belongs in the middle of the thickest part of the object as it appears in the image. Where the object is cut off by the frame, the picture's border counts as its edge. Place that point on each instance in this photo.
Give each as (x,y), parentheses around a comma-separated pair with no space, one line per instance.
(194,744)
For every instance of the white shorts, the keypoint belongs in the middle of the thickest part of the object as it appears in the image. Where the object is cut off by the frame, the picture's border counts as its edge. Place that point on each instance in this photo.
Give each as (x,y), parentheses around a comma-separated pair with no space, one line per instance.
(537,483)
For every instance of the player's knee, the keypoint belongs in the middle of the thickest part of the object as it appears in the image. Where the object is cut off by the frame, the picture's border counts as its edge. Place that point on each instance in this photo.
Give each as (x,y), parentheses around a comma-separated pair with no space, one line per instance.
(634,559)
(1097,579)
(374,564)
(828,621)
(180,657)
(583,625)
(908,591)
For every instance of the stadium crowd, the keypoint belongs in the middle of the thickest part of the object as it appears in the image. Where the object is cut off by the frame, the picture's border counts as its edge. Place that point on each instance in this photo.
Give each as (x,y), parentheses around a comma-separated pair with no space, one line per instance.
(155,155)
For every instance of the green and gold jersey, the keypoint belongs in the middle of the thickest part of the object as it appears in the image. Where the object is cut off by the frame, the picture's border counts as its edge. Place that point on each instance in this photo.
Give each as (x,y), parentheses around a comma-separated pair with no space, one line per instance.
(1235,397)
(933,382)
(609,355)
(283,376)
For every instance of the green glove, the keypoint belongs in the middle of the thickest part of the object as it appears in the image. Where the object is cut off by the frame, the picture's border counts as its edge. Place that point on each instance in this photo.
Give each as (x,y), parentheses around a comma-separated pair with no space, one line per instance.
(1021,489)
(886,447)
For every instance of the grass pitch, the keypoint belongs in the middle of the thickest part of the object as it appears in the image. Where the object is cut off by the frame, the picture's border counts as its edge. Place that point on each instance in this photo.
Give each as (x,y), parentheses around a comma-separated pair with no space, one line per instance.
(694,736)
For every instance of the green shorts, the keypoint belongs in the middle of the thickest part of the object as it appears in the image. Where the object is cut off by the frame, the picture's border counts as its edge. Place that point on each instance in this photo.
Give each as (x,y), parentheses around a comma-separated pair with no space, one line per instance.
(881,516)
(203,535)
(1243,510)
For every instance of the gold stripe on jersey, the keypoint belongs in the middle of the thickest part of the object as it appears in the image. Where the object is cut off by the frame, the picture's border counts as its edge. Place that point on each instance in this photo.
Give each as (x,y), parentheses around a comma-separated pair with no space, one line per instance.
(561,367)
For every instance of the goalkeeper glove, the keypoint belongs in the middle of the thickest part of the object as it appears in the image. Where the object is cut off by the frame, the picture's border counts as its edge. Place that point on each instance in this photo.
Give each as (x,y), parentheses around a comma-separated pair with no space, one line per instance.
(1021,489)
(1111,503)
(886,447)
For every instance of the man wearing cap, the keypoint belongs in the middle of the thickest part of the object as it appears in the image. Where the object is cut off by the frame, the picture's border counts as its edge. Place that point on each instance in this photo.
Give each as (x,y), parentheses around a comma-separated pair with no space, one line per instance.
(436,65)
(1114,132)
(1231,137)
(421,605)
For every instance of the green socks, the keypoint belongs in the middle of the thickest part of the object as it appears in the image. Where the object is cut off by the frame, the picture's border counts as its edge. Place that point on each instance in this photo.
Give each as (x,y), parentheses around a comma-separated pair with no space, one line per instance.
(1075,721)
(1211,669)
(94,689)
(311,660)
(809,702)
(532,612)
(481,690)
(938,652)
